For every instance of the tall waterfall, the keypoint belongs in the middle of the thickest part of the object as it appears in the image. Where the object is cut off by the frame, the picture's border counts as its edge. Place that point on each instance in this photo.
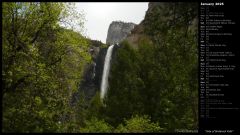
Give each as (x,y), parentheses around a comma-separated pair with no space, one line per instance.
(106,68)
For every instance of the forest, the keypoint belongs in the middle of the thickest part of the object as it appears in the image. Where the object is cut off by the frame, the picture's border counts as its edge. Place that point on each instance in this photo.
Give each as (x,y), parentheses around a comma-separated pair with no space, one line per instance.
(152,88)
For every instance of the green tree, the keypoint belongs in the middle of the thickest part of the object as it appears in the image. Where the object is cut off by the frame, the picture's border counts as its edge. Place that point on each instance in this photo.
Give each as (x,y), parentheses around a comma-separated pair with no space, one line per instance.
(42,66)
(159,78)
(96,126)
(123,98)
(139,124)
(96,107)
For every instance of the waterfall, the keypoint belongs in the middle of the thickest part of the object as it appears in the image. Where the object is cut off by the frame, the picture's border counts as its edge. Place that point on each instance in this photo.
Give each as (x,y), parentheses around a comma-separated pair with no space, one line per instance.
(106,68)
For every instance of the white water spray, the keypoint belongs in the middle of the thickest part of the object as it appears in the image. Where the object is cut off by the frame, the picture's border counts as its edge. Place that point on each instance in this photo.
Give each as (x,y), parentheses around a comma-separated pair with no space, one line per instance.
(106,68)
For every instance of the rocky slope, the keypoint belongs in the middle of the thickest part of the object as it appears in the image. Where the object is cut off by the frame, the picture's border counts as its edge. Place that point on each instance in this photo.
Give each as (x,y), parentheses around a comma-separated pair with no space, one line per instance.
(91,79)
(92,75)
(161,13)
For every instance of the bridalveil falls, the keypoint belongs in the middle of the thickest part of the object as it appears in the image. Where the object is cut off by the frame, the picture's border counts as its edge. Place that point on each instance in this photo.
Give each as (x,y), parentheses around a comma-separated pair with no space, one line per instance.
(106,68)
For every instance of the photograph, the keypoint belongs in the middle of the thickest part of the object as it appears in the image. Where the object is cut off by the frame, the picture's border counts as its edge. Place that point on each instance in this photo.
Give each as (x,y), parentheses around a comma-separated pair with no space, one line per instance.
(100,67)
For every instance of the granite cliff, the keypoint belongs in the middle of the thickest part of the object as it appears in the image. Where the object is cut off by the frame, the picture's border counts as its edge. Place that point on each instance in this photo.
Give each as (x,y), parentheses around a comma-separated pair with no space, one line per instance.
(118,31)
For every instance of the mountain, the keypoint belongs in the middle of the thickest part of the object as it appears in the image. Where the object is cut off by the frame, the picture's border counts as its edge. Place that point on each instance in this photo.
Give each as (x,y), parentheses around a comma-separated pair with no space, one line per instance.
(52,75)
(155,69)
(92,74)
(162,16)
(118,31)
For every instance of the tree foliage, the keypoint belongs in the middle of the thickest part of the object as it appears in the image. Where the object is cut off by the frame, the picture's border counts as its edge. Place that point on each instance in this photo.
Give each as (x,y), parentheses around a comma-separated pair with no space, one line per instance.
(159,79)
(42,65)
(96,126)
(151,89)
(138,124)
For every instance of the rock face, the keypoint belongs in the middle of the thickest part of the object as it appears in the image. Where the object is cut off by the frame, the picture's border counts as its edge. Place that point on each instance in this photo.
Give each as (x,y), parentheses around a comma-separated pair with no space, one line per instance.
(93,71)
(158,10)
(138,33)
(91,79)
(118,31)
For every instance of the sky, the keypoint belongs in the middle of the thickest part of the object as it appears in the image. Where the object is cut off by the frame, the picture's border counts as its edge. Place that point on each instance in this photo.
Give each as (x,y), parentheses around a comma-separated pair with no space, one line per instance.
(99,16)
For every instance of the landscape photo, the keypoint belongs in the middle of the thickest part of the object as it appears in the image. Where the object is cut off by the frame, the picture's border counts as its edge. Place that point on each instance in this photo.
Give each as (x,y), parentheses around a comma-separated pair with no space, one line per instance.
(99,67)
